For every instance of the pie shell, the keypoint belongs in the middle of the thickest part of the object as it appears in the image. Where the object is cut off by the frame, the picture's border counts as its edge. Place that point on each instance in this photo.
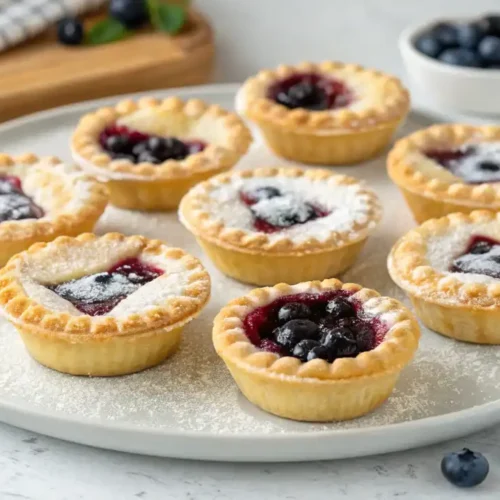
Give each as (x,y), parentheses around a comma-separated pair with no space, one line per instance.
(251,257)
(316,390)
(147,186)
(430,190)
(330,137)
(17,236)
(101,345)
(465,311)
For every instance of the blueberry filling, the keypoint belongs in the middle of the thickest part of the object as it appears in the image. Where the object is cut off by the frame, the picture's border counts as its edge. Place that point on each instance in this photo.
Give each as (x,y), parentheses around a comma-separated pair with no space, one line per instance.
(97,294)
(120,142)
(475,164)
(306,326)
(482,256)
(14,203)
(273,210)
(310,91)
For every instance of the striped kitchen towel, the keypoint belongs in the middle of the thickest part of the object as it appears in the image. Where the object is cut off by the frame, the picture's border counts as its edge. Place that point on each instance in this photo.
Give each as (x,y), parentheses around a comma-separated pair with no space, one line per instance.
(23,19)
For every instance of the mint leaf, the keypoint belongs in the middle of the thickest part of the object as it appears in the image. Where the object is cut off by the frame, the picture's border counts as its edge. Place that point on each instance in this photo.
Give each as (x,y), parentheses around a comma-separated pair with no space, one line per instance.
(106,31)
(169,18)
(152,6)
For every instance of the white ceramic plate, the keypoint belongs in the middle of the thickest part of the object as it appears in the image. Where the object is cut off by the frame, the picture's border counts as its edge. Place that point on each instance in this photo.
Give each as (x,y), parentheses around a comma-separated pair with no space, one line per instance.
(189,406)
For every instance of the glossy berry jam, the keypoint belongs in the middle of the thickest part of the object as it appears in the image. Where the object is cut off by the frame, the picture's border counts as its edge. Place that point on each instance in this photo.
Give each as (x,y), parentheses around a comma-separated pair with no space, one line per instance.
(273,210)
(475,164)
(306,326)
(310,91)
(121,142)
(14,203)
(482,256)
(97,294)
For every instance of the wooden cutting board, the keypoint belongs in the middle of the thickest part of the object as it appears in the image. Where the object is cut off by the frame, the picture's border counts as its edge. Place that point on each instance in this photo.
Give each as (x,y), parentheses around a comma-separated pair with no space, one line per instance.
(42,73)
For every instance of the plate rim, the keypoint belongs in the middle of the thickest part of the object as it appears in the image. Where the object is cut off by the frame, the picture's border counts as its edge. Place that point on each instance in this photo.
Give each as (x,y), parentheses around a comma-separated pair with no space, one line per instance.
(482,416)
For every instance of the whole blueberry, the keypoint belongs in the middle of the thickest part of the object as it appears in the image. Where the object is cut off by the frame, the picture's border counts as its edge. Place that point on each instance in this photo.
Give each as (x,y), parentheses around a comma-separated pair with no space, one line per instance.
(304,348)
(461,57)
(303,95)
(294,331)
(156,145)
(489,49)
(118,144)
(465,468)
(491,24)
(294,310)
(340,308)
(174,149)
(428,45)
(446,34)
(131,13)
(70,31)
(340,343)
(319,352)
(469,35)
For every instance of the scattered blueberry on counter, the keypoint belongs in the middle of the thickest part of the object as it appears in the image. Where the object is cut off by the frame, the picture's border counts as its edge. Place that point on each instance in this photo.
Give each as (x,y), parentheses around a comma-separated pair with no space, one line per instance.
(465,468)
(70,31)
(475,44)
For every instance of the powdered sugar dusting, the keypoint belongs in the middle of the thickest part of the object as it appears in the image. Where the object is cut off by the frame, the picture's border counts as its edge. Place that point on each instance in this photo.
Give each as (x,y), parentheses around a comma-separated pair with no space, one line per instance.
(194,392)
(51,266)
(443,249)
(346,205)
(481,162)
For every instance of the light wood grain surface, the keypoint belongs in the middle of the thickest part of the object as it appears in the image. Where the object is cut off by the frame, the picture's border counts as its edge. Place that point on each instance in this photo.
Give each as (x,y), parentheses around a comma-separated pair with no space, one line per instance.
(43,73)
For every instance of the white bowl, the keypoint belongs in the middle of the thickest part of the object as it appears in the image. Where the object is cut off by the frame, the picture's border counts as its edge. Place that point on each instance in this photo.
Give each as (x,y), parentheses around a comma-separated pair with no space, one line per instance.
(470,90)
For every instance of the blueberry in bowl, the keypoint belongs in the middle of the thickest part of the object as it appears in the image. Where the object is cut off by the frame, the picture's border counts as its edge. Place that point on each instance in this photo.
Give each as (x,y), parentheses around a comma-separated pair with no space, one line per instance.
(316,351)
(455,62)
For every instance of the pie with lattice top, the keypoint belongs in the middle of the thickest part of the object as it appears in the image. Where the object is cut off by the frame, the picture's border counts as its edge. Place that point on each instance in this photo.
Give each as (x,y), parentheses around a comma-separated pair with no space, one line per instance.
(450,268)
(448,168)
(107,305)
(316,351)
(150,152)
(328,113)
(272,225)
(41,199)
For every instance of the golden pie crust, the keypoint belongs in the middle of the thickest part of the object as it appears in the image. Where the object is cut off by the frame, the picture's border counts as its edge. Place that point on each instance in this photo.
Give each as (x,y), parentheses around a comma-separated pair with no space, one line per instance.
(351,134)
(253,257)
(458,308)
(316,390)
(430,190)
(147,186)
(112,344)
(72,201)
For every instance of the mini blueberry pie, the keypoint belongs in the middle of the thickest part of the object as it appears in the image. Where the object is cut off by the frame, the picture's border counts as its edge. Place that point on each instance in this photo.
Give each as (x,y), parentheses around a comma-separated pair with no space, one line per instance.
(151,152)
(102,306)
(448,168)
(328,113)
(316,351)
(41,199)
(450,268)
(272,225)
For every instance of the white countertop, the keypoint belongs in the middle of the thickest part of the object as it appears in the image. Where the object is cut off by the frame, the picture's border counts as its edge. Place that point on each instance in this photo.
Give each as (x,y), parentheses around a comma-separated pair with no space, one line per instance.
(251,35)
